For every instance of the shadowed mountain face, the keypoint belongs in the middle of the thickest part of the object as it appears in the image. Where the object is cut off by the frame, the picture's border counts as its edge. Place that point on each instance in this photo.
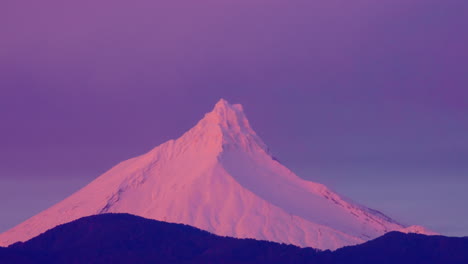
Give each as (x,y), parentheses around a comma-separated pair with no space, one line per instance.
(124,238)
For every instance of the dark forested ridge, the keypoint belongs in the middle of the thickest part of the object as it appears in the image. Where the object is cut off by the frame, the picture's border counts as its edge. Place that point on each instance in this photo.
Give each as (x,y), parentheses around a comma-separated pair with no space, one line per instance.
(124,238)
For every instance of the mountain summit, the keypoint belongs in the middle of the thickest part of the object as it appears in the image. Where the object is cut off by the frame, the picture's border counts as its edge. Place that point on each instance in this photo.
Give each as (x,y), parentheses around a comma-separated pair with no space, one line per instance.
(220,177)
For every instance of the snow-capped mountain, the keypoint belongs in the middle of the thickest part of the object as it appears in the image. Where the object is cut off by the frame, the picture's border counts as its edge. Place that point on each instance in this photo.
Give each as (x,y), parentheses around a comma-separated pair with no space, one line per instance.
(220,177)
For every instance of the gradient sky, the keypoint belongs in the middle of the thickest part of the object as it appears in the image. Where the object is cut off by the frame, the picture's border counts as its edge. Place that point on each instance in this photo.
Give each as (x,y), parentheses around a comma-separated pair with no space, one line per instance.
(368,97)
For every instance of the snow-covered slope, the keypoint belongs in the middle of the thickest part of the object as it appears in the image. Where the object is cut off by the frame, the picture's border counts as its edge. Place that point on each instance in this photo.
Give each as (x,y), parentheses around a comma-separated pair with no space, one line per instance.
(219,177)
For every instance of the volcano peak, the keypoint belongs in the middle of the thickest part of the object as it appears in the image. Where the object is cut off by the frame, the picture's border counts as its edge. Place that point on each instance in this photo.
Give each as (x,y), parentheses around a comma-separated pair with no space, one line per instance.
(220,177)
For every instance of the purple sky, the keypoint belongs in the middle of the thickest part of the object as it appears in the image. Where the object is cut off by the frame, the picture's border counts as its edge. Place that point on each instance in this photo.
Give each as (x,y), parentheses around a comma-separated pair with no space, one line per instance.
(368,97)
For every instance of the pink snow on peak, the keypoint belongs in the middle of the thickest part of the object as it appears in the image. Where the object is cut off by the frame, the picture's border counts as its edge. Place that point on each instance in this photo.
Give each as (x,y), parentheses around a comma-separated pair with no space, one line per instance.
(227,126)
(219,177)
(230,118)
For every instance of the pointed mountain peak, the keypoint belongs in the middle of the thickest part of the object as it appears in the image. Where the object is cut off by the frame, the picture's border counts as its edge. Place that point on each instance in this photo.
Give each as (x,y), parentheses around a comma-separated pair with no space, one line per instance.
(229,117)
(227,125)
(222,103)
(223,106)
